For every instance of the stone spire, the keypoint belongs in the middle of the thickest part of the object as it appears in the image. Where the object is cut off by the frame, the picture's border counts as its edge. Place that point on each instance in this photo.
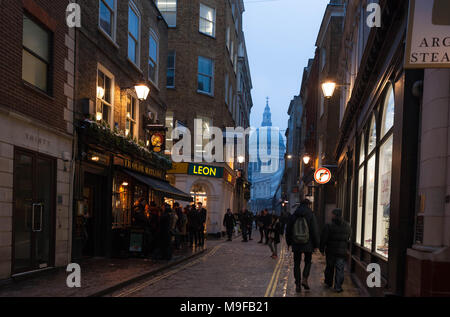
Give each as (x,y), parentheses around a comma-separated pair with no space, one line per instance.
(267,116)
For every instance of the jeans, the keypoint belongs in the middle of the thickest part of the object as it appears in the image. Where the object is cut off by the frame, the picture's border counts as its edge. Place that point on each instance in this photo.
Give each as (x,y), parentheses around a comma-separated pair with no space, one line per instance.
(335,269)
(297,268)
(193,236)
(273,246)
(261,232)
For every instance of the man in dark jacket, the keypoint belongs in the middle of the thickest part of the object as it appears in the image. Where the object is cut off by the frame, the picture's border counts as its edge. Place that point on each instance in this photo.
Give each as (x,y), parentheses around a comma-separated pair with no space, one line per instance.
(334,243)
(303,211)
(243,221)
(267,221)
(193,225)
(229,222)
(203,214)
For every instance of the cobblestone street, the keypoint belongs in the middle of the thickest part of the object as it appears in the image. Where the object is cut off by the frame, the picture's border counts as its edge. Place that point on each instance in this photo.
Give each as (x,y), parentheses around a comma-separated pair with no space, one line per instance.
(236,269)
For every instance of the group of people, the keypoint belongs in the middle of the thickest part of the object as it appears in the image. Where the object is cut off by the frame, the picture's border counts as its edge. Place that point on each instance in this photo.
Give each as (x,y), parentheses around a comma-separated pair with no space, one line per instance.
(169,227)
(302,235)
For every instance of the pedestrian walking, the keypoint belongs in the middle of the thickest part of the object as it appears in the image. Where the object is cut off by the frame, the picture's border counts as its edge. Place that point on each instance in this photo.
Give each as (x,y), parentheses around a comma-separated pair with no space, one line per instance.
(203,216)
(229,223)
(334,243)
(303,235)
(274,236)
(250,217)
(267,220)
(165,246)
(183,226)
(244,224)
(193,226)
(260,225)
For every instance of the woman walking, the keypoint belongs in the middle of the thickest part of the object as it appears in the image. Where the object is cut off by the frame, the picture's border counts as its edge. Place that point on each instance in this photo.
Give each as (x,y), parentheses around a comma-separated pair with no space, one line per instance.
(274,232)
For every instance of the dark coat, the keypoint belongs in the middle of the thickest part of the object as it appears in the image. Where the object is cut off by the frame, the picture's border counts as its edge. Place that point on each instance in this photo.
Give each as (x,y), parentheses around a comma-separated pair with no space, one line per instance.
(314,239)
(229,221)
(203,216)
(193,220)
(275,228)
(266,220)
(335,238)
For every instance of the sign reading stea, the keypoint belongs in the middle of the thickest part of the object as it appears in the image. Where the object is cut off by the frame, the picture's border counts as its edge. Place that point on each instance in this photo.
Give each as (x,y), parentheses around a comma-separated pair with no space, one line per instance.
(428,39)
(322,176)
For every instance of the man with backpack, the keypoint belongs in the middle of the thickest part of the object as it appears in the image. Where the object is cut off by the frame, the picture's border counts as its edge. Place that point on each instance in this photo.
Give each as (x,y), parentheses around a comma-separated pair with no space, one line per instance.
(334,242)
(302,235)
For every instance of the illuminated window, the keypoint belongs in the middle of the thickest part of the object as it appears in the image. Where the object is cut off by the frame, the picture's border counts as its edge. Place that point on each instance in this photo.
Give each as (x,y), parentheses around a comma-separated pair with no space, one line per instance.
(207,20)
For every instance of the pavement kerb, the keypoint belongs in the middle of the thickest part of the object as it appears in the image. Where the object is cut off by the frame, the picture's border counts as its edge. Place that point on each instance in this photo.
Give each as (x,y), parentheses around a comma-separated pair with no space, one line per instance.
(145,275)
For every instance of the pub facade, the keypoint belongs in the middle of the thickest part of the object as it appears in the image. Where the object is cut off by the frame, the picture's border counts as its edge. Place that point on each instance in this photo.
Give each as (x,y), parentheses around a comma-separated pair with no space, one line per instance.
(121,55)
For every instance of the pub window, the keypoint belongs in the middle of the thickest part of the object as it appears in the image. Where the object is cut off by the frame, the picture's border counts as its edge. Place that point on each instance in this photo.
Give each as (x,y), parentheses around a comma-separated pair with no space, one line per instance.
(121,211)
(35,54)
(130,128)
(104,95)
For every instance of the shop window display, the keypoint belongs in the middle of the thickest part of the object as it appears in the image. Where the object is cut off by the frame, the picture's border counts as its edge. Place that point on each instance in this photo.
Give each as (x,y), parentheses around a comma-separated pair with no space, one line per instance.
(360,204)
(370,190)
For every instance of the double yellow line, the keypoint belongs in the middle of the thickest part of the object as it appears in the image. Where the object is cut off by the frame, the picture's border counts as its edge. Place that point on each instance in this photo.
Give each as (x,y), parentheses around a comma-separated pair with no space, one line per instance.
(270,292)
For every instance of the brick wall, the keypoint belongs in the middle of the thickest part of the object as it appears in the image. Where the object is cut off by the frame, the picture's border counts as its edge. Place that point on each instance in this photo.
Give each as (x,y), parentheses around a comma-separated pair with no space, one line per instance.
(17,95)
(94,47)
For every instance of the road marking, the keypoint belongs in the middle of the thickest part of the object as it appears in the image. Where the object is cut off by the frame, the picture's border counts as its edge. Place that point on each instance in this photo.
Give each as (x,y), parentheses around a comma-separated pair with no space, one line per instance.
(141,286)
(275,276)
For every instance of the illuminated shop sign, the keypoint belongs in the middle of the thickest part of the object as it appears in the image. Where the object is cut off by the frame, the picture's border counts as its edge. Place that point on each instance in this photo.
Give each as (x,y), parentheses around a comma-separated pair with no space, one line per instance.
(205,170)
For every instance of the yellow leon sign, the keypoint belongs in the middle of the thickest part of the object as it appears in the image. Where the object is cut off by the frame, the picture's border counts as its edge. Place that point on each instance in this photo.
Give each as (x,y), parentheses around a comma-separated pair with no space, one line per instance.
(203,170)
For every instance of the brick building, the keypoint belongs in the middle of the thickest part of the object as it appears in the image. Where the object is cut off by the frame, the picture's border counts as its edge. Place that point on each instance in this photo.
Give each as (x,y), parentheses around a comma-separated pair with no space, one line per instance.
(209,80)
(121,53)
(36,134)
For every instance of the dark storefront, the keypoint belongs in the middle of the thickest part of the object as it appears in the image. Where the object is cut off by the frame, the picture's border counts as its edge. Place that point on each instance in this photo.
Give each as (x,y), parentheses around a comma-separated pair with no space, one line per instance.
(377,155)
(108,184)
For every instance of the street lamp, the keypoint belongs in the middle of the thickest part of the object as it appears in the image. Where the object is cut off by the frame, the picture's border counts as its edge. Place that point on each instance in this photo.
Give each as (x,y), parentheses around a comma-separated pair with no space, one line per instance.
(328,89)
(306,159)
(142,91)
(241,159)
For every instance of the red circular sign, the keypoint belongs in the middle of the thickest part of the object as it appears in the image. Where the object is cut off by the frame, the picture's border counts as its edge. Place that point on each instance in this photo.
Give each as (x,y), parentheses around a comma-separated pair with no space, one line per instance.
(322,175)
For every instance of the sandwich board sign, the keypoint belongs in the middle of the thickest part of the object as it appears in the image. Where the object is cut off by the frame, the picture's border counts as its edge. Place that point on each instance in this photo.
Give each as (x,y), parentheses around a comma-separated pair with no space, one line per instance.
(322,176)
(428,38)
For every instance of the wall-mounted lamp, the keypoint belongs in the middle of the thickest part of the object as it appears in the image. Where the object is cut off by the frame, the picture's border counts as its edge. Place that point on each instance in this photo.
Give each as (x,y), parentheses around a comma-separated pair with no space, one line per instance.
(241,159)
(142,91)
(306,159)
(329,87)
(99,116)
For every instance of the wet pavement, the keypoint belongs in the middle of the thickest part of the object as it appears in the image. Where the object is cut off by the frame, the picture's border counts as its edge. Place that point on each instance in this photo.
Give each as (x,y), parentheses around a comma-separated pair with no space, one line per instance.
(236,269)
(97,275)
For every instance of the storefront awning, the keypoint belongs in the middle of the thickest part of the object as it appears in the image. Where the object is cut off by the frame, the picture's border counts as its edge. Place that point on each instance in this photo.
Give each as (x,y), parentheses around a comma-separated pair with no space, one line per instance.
(161,186)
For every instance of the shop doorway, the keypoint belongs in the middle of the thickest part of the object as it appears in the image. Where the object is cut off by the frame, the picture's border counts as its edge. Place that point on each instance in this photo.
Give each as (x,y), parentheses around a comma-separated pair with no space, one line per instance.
(33,211)
(95,220)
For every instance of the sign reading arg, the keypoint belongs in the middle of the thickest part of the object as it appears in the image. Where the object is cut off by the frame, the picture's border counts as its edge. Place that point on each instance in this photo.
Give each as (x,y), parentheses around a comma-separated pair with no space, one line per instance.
(428,40)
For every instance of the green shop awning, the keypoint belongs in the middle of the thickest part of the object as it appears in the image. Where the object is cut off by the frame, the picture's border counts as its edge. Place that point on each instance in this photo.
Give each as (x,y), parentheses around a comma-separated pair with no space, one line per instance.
(161,186)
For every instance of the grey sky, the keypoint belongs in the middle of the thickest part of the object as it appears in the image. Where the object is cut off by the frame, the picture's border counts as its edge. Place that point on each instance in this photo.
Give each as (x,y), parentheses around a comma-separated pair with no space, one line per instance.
(280,37)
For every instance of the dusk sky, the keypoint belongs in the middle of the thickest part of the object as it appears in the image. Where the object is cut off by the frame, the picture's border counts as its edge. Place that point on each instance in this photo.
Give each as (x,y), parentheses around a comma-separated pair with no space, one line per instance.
(280,37)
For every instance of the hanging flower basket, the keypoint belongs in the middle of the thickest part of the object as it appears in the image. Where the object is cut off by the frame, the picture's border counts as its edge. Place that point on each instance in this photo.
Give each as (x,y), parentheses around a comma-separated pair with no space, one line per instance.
(116,140)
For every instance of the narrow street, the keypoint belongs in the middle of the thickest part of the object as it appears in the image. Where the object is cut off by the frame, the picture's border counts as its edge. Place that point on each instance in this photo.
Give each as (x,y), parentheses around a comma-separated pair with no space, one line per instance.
(236,269)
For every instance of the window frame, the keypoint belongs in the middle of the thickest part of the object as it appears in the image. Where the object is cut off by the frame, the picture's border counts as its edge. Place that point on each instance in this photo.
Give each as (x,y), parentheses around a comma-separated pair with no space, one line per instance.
(155,36)
(134,8)
(107,73)
(172,68)
(213,35)
(134,122)
(378,114)
(113,36)
(49,63)
(211,93)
